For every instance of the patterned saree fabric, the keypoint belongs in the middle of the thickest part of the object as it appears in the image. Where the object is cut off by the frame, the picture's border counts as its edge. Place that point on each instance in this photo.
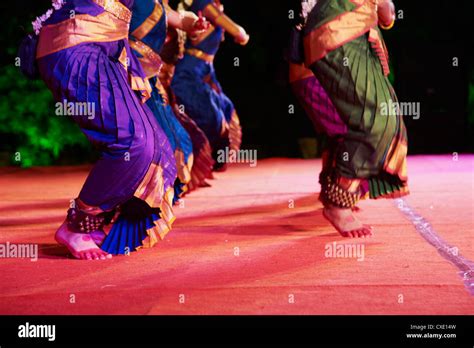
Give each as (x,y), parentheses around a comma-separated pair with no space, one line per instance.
(85,59)
(345,96)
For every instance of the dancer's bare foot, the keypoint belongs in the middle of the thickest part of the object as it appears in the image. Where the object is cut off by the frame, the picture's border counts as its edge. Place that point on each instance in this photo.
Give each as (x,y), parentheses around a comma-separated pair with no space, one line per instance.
(355,208)
(80,245)
(346,223)
(98,237)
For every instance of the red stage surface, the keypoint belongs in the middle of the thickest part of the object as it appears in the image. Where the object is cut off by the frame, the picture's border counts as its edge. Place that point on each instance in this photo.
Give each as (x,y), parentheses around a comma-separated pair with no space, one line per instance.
(253,243)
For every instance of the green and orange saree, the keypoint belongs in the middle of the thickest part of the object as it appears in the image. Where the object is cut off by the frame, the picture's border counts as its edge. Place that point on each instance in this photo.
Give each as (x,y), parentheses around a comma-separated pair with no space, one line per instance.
(344,49)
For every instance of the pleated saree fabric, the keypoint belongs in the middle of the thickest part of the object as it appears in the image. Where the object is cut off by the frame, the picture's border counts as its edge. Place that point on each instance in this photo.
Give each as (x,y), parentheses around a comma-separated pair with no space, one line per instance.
(197,88)
(148,30)
(345,51)
(85,59)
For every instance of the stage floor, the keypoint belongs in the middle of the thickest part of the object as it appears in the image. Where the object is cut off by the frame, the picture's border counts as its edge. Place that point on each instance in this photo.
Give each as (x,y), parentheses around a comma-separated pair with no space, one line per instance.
(253,243)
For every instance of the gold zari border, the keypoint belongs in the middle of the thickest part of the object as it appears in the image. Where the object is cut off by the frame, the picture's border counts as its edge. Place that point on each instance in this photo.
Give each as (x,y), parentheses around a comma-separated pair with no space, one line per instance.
(148,24)
(200,55)
(80,29)
(341,30)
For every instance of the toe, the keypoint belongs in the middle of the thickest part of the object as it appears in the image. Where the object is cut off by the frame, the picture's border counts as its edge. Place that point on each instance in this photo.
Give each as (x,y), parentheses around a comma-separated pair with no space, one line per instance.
(367,231)
(104,254)
(82,256)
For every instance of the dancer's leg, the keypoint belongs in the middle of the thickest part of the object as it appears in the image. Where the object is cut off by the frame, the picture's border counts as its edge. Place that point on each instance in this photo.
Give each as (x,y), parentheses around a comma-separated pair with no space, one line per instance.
(132,145)
(350,69)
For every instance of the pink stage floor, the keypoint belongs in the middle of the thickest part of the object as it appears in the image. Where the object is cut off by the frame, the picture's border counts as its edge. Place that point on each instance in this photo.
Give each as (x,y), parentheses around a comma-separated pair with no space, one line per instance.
(253,243)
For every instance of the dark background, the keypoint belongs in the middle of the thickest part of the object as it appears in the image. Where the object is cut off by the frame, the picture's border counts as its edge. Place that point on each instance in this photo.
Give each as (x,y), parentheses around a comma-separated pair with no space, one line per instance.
(422,46)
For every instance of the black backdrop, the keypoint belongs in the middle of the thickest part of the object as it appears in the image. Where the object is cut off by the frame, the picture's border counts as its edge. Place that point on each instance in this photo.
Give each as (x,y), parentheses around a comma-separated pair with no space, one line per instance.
(422,46)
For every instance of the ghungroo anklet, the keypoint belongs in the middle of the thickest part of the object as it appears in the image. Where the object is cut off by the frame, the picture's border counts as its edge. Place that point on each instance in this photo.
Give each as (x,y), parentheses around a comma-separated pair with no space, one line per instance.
(334,194)
(80,221)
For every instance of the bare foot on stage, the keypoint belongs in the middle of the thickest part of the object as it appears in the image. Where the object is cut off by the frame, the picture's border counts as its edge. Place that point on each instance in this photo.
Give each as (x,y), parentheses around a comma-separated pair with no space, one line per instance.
(80,245)
(346,223)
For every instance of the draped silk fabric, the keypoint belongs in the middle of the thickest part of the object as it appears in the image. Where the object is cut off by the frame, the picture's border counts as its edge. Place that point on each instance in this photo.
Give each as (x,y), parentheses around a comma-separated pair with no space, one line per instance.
(86,59)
